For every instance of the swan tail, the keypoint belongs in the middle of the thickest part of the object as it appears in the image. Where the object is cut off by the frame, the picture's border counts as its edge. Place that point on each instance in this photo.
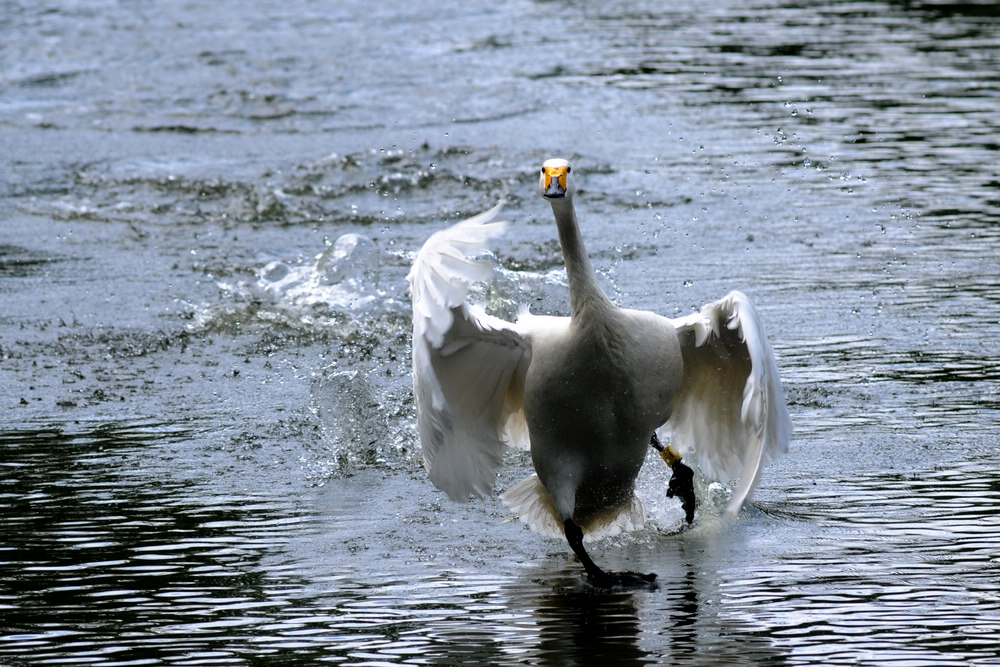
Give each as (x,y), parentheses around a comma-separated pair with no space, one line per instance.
(622,518)
(534,507)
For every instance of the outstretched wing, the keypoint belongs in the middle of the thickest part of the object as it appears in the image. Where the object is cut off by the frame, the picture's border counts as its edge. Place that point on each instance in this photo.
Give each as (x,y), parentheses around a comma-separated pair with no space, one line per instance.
(730,410)
(468,367)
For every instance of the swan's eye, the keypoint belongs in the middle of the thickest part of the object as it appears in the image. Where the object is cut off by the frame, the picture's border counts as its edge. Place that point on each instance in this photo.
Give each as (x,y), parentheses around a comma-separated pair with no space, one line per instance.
(569,169)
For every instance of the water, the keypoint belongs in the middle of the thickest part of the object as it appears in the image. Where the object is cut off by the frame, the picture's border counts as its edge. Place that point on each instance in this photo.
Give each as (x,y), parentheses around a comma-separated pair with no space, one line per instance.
(208,449)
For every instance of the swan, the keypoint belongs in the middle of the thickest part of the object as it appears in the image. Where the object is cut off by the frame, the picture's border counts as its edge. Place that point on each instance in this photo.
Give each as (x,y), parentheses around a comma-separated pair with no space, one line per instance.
(585,393)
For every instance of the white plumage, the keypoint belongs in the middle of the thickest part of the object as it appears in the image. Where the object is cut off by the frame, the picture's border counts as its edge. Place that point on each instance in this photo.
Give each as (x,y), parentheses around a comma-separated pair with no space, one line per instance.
(730,412)
(585,392)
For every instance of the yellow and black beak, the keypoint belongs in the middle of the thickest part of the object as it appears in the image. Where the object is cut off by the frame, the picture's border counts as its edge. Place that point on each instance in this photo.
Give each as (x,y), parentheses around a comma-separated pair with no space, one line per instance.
(554,181)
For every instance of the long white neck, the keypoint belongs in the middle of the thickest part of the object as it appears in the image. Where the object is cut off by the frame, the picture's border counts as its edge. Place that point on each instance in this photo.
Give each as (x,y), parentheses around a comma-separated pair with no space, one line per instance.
(583,286)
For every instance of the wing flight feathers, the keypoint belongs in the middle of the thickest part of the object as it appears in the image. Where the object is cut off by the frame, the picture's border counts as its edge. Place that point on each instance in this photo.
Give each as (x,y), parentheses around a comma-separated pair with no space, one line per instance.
(468,367)
(730,410)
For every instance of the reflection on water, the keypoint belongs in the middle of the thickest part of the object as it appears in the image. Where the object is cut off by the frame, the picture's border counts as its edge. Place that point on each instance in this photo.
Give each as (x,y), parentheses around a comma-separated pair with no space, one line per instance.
(112,554)
(575,628)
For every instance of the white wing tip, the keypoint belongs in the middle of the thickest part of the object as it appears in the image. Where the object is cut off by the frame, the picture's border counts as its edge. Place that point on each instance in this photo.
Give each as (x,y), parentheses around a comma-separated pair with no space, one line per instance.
(444,269)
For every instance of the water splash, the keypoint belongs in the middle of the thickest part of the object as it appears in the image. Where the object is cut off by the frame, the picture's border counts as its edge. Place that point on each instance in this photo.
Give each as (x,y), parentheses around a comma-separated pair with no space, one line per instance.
(345,277)
(344,290)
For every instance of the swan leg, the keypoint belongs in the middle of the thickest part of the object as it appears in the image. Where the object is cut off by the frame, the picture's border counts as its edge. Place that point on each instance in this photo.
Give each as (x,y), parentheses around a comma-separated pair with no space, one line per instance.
(595,575)
(681,482)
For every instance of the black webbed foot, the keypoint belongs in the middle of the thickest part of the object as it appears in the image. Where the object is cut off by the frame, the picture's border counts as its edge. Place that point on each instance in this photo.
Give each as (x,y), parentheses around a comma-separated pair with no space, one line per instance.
(618,581)
(597,577)
(682,486)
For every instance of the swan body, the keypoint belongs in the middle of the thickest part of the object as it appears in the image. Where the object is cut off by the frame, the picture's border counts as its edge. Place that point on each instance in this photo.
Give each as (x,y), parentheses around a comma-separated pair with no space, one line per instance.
(585,392)
(587,447)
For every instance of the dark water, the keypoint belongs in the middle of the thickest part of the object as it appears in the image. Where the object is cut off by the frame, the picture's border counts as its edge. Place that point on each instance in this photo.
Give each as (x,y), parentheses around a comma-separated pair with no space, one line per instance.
(207,214)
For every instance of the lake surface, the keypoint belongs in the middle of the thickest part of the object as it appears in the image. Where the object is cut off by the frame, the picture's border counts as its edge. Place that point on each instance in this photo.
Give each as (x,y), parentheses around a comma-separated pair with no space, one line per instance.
(208,453)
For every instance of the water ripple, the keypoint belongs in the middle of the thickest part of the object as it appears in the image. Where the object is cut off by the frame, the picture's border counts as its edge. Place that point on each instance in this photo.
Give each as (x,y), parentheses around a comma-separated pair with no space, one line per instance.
(187,253)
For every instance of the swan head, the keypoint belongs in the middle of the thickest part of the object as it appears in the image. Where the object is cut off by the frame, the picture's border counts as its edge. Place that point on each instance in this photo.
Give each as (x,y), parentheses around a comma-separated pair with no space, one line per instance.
(555,182)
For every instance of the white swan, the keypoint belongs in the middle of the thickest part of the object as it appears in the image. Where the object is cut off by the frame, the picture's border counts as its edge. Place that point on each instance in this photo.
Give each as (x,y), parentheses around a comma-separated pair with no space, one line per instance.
(585,392)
